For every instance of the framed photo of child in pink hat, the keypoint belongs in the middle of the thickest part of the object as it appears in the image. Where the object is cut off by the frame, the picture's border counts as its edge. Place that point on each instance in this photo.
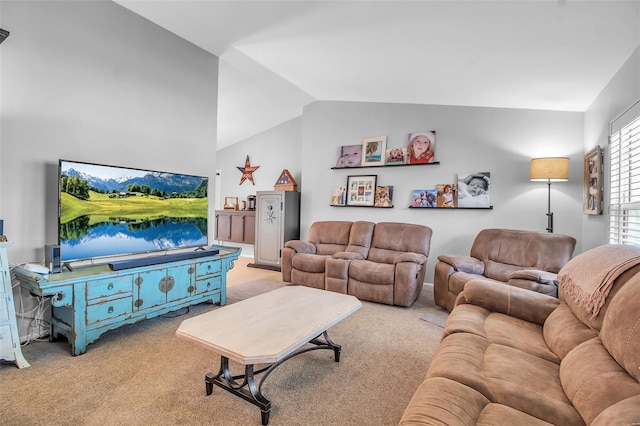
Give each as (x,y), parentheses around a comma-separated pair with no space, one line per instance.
(422,147)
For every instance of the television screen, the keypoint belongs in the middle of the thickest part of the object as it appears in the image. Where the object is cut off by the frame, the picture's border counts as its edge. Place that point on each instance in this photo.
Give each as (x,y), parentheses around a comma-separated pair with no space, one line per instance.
(109,210)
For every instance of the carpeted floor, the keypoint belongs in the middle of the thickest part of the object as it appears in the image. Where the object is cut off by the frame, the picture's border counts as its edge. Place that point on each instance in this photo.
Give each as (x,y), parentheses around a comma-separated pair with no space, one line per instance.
(143,375)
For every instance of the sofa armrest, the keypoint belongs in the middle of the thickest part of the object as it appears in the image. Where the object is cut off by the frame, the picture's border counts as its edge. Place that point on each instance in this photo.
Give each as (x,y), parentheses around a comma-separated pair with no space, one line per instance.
(537,275)
(410,257)
(505,299)
(461,263)
(347,255)
(300,246)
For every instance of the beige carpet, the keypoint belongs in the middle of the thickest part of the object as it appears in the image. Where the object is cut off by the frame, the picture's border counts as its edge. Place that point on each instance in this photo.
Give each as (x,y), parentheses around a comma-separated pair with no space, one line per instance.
(143,375)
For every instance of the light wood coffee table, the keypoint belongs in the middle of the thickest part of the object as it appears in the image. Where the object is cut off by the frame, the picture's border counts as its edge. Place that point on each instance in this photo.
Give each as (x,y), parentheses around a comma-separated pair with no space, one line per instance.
(266,329)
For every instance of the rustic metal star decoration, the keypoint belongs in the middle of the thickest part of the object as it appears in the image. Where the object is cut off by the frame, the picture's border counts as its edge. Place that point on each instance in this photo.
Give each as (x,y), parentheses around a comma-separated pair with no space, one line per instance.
(247,171)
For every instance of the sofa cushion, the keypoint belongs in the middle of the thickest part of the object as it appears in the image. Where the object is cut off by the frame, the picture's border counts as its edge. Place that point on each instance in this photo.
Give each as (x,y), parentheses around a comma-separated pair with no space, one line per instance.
(372,272)
(545,251)
(599,386)
(506,376)
(360,238)
(330,236)
(309,262)
(440,401)
(620,333)
(380,293)
(625,412)
(309,279)
(391,238)
(563,331)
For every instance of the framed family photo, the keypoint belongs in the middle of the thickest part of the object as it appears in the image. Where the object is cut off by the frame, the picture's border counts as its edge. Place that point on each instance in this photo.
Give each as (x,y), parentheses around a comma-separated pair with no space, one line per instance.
(361,190)
(349,156)
(423,198)
(474,190)
(384,196)
(338,196)
(395,156)
(373,151)
(592,186)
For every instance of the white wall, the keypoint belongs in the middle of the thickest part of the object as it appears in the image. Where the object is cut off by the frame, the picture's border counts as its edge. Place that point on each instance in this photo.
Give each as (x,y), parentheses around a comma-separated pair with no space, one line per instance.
(94,82)
(274,150)
(501,141)
(621,92)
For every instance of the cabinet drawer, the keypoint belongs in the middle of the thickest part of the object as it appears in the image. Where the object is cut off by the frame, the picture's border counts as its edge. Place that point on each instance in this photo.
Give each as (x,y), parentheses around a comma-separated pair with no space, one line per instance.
(109,309)
(109,286)
(210,284)
(204,269)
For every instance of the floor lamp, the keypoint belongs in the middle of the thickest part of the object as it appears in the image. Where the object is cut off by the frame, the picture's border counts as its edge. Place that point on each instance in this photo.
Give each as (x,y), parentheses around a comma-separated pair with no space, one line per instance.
(549,169)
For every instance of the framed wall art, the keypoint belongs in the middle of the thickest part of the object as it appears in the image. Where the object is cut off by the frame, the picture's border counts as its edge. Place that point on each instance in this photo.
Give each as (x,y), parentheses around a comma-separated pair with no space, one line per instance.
(338,196)
(373,151)
(231,203)
(349,156)
(447,195)
(361,190)
(423,198)
(384,196)
(422,147)
(474,190)
(592,185)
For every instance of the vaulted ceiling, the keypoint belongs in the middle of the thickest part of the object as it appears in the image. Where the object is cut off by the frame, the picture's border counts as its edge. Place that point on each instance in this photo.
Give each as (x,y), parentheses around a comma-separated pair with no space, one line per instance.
(277,56)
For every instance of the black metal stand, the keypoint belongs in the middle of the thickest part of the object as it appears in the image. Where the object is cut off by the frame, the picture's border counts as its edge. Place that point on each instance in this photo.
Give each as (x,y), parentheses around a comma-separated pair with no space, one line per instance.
(549,214)
(247,389)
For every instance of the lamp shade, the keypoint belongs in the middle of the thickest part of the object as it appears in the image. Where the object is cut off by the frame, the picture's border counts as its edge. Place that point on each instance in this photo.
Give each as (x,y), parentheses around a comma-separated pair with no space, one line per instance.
(549,169)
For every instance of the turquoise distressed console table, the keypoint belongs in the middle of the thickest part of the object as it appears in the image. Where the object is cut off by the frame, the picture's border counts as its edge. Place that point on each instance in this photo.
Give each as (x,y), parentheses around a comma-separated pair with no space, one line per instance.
(92,300)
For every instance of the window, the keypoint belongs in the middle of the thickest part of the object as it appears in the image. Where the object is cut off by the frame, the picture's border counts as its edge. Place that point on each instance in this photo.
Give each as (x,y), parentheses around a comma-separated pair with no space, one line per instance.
(624,173)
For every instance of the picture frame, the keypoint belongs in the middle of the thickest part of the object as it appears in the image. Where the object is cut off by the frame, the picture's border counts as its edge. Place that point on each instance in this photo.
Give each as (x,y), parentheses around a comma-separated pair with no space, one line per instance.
(447,195)
(231,203)
(373,151)
(423,198)
(422,147)
(474,190)
(592,184)
(338,196)
(384,196)
(361,190)
(395,157)
(349,156)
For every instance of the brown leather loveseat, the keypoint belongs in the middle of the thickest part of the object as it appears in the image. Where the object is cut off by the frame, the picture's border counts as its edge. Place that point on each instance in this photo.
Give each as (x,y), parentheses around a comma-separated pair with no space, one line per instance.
(383,262)
(510,356)
(525,259)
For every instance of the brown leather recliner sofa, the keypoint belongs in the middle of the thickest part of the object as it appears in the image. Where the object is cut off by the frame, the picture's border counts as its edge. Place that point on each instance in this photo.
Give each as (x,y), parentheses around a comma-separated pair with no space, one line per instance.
(510,356)
(525,259)
(381,262)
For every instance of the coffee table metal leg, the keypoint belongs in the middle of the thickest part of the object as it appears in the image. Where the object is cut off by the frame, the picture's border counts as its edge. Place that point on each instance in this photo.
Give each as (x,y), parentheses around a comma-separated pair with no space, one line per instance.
(247,389)
(327,344)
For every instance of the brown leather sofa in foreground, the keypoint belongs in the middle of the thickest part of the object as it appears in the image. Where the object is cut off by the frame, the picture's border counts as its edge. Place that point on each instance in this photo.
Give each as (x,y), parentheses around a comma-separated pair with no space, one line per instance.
(525,259)
(384,262)
(510,356)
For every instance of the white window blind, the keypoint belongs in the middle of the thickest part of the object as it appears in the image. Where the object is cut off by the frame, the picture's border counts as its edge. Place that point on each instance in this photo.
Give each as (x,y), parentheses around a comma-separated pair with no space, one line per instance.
(624,191)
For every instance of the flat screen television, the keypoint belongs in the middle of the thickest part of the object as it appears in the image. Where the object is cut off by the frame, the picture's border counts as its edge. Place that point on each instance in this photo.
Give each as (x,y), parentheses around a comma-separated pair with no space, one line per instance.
(109,211)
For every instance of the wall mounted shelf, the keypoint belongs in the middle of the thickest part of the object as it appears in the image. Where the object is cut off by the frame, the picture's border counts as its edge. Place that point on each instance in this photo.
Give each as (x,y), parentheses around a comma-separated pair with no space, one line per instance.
(452,208)
(369,207)
(386,165)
